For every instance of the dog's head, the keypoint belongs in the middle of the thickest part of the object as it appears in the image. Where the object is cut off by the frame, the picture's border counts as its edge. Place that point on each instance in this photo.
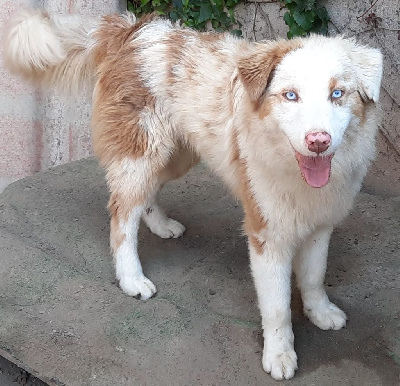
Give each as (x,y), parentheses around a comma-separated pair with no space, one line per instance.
(315,88)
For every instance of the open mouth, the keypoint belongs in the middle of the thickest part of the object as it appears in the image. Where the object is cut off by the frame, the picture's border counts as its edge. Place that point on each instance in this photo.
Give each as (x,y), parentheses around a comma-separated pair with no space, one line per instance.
(315,170)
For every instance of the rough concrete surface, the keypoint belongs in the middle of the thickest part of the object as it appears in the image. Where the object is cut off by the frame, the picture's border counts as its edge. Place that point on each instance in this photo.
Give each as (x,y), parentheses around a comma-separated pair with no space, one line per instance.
(12,375)
(63,318)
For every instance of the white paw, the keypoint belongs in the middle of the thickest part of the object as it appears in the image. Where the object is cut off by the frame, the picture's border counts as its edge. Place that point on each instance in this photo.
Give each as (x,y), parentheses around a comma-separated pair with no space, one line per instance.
(168,229)
(281,364)
(139,287)
(326,316)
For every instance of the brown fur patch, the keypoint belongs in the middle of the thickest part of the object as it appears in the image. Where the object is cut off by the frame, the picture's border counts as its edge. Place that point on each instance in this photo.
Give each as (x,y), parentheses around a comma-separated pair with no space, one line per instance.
(117,133)
(266,106)
(210,37)
(177,54)
(116,235)
(256,70)
(211,41)
(120,95)
(175,44)
(114,32)
(180,162)
(232,88)
(120,205)
(254,222)
(257,244)
(333,84)
(359,108)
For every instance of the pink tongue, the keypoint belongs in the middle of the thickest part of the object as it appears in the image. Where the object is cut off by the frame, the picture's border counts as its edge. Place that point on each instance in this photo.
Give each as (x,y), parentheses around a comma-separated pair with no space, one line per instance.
(315,170)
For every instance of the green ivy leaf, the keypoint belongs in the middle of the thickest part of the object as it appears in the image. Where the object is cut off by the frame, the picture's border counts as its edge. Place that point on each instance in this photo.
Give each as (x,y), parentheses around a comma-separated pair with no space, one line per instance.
(324,28)
(296,30)
(205,13)
(305,5)
(300,6)
(291,7)
(224,18)
(304,20)
(310,5)
(177,4)
(195,16)
(322,13)
(215,23)
(232,16)
(216,11)
(173,16)
(288,19)
(317,25)
(302,17)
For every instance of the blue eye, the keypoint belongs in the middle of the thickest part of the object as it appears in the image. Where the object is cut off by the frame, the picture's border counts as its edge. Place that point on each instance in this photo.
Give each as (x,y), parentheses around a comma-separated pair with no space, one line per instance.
(337,94)
(291,96)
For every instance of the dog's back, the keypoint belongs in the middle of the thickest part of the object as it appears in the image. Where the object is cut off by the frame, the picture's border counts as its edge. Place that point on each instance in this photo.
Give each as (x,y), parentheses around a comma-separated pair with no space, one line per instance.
(131,63)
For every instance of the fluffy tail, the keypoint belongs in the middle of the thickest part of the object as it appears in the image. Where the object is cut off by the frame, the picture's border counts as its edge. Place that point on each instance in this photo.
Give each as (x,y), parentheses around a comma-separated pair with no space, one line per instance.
(54,51)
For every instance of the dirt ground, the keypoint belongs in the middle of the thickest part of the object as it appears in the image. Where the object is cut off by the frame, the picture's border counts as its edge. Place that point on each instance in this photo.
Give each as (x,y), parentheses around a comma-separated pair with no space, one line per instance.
(63,318)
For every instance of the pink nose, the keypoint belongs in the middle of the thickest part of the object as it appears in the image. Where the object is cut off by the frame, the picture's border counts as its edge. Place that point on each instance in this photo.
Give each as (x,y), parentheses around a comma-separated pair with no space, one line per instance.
(318,142)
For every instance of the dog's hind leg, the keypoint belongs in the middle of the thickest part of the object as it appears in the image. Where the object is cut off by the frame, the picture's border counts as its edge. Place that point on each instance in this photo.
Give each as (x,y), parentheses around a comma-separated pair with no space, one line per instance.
(134,184)
(310,266)
(131,182)
(153,215)
(159,223)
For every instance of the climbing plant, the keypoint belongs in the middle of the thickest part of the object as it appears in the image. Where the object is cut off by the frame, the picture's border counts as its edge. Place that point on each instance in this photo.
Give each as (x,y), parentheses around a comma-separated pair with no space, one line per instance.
(302,16)
(193,13)
(305,16)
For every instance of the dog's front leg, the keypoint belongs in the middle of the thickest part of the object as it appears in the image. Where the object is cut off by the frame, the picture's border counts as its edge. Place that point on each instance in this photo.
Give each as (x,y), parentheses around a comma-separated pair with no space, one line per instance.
(310,266)
(271,269)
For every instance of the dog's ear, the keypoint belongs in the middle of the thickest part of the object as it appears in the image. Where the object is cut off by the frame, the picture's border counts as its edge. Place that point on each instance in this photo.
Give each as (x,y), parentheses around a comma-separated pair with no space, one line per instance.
(368,65)
(255,70)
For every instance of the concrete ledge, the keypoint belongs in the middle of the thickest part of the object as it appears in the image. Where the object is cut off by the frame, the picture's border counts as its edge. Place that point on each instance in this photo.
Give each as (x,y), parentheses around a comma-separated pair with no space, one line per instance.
(63,317)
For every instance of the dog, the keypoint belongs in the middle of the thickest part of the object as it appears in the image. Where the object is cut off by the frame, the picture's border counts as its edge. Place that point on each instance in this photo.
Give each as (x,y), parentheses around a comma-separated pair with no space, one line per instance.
(289,126)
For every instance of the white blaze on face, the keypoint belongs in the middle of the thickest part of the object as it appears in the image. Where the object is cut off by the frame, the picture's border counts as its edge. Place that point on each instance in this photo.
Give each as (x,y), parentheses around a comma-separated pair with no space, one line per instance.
(308,73)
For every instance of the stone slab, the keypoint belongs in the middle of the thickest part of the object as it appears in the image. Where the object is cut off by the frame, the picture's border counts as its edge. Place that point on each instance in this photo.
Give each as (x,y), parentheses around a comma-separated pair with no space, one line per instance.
(63,318)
